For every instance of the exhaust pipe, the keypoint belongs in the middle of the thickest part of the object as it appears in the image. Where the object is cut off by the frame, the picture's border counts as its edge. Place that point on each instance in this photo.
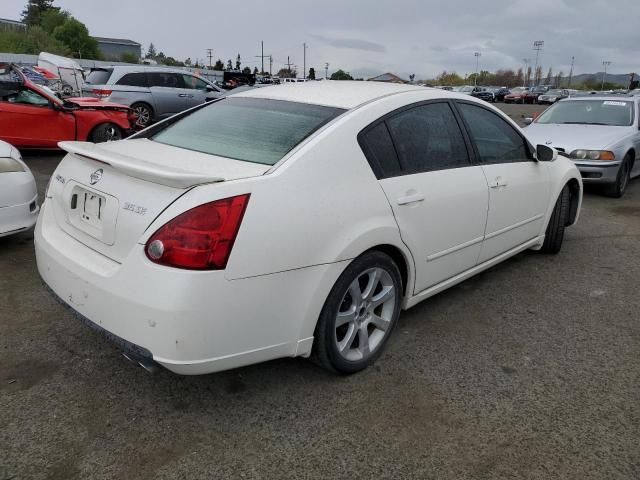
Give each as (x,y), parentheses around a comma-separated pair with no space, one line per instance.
(148,364)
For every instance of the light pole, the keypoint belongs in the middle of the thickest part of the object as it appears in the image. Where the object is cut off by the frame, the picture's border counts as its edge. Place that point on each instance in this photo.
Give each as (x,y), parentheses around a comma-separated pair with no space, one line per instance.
(477,55)
(537,46)
(605,64)
(526,61)
(304,60)
(326,70)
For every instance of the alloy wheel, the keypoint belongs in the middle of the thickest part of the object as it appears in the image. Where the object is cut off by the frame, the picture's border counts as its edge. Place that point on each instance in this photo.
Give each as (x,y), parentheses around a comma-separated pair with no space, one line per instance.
(144,115)
(365,314)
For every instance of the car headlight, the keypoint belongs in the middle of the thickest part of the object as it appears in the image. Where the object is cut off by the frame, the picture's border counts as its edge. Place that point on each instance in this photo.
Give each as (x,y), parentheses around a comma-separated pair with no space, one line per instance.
(10,165)
(593,155)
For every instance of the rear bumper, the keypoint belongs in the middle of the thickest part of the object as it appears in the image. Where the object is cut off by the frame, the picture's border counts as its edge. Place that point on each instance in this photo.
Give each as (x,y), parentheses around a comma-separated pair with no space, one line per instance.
(189,322)
(598,173)
(18,218)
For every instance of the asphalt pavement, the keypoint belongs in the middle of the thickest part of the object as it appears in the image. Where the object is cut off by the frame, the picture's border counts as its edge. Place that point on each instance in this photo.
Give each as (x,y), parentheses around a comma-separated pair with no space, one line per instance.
(529,370)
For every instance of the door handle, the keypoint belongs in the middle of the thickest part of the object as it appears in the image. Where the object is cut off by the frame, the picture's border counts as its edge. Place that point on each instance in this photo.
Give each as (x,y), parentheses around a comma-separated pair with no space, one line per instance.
(498,182)
(184,95)
(409,199)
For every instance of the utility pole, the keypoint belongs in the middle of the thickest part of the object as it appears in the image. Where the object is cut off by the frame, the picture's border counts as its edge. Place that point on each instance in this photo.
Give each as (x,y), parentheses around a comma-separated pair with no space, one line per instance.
(210,55)
(270,64)
(289,66)
(477,55)
(537,46)
(304,60)
(326,70)
(573,59)
(262,56)
(605,64)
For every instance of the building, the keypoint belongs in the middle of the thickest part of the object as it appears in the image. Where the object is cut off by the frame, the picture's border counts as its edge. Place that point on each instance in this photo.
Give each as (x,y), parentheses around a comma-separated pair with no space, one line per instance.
(387,77)
(113,48)
(6,24)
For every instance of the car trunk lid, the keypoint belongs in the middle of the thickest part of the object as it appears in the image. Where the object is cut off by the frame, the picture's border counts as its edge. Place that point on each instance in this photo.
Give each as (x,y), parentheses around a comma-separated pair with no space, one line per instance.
(107,195)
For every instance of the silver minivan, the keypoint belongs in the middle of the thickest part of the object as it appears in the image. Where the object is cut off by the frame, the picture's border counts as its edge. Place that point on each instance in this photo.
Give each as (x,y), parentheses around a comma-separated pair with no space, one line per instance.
(153,93)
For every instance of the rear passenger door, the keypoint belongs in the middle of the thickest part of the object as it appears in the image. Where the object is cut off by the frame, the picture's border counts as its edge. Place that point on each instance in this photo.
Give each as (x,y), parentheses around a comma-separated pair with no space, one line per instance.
(169,93)
(439,199)
(132,87)
(518,185)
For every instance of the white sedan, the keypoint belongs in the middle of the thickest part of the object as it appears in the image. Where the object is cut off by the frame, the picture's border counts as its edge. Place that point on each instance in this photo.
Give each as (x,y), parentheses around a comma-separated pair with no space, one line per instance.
(18,194)
(295,220)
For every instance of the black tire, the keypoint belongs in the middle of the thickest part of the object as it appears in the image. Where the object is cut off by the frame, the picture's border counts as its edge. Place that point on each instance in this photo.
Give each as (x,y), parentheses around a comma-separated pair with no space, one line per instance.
(554,234)
(325,351)
(617,189)
(106,132)
(144,112)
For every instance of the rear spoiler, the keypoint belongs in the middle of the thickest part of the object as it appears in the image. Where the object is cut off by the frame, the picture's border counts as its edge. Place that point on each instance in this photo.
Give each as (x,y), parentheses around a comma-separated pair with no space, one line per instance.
(134,167)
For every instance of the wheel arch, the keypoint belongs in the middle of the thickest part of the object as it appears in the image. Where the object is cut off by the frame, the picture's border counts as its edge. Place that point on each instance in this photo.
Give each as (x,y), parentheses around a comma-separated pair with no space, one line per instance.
(575,191)
(399,258)
(105,122)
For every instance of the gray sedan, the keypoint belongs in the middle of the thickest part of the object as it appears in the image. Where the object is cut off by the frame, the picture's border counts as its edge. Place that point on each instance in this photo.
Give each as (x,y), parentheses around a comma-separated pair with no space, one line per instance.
(601,134)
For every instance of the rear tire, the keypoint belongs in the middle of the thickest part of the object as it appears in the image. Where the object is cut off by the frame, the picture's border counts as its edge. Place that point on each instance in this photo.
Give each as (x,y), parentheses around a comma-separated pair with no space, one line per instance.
(106,132)
(359,314)
(554,234)
(144,113)
(622,180)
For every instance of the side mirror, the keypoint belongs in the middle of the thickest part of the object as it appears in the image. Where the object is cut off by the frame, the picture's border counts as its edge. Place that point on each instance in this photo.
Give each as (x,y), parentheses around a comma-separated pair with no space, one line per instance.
(528,121)
(546,154)
(209,88)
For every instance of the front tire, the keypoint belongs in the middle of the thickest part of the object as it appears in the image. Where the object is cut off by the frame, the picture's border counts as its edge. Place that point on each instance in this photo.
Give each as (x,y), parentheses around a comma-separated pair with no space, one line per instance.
(106,132)
(622,180)
(554,234)
(359,314)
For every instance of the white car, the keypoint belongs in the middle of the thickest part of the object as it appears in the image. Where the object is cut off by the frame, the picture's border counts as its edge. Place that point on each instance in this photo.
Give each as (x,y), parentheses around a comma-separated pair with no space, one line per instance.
(294,220)
(18,194)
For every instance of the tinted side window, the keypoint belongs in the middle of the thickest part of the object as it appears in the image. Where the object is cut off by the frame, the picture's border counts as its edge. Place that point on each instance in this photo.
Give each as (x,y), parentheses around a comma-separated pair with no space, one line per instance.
(133,80)
(378,148)
(428,138)
(165,79)
(495,139)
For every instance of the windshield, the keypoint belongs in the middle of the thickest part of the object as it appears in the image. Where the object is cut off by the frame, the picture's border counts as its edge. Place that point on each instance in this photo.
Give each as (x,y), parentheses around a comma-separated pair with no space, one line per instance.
(517,90)
(466,89)
(589,112)
(554,92)
(249,129)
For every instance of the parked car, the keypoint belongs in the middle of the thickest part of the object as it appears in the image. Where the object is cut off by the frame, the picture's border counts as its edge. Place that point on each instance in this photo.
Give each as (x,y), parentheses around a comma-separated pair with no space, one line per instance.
(479,92)
(208,242)
(32,116)
(154,93)
(601,134)
(552,96)
(516,95)
(18,194)
(500,92)
(532,95)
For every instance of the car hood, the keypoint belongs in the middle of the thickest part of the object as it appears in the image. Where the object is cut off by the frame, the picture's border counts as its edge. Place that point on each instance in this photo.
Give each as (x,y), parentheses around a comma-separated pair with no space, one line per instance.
(96,103)
(572,137)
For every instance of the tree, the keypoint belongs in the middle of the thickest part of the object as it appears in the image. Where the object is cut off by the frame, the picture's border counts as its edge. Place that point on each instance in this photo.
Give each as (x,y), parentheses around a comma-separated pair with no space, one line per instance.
(246,70)
(31,15)
(286,73)
(341,75)
(229,65)
(538,75)
(449,78)
(547,81)
(527,77)
(412,77)
(255,70)
(187,62)
(128,57)
(32,42)
(520,77)
(151,51)
(238,63)
(53,18)
(558,79)
(75,36)
(219,65)
(312,74)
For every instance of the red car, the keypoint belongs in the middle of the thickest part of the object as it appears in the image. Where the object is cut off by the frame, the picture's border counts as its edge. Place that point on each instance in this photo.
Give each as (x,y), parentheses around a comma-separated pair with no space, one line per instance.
(32,116)
(517,95)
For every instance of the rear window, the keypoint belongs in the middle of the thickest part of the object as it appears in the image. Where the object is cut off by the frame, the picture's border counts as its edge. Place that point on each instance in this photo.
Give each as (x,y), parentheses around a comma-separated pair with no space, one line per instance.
(249,129)
(99,76)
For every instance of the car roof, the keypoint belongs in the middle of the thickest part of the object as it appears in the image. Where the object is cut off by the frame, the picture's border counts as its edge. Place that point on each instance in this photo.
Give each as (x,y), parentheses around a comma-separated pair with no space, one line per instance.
(142,68)
(620,98)
(341,93)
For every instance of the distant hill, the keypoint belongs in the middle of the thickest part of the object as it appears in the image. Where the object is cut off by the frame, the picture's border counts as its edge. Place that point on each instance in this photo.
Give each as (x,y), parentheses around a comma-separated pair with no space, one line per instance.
(621,79)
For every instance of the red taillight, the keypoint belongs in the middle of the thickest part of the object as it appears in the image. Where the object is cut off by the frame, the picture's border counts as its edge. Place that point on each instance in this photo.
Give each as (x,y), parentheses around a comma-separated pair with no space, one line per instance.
(99,92)
(200,238)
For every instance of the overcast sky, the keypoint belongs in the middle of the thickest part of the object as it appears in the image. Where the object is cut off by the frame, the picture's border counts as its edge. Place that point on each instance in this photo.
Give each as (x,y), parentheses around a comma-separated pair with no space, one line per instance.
(367,37)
